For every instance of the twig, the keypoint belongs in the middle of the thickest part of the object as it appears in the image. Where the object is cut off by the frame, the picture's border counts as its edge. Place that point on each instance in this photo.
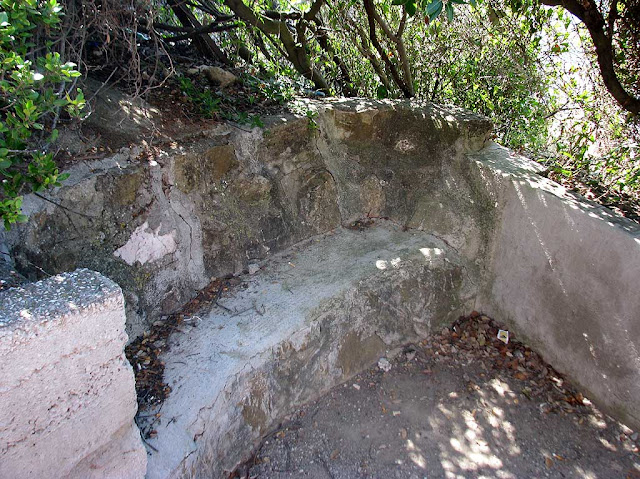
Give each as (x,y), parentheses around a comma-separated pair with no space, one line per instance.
(63,207)
(147,443)
(261,313)
(103,85)
(238,313)
(223,307)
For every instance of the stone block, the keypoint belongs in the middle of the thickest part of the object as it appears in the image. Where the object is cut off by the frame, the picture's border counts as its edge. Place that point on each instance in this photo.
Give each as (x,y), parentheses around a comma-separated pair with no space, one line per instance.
(67,397)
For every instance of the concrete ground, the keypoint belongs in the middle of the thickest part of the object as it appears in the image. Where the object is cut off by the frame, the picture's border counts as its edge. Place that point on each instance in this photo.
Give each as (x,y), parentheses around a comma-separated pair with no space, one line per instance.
(460,405)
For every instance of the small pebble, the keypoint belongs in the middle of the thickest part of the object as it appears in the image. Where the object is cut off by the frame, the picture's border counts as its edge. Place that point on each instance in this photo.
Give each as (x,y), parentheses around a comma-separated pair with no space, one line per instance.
(384,364)
(253,268)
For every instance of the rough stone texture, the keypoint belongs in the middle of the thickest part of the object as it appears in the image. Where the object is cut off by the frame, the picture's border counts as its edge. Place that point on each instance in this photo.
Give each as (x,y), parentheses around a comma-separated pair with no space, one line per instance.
(565,273)
(310,319)
(561,271)
(9,277)
(227,198)
(218,76)
(120,117)
(67,397)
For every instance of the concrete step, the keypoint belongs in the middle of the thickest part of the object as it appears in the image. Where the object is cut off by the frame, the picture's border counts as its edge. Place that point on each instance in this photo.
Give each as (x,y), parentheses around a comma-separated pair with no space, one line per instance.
(312,317)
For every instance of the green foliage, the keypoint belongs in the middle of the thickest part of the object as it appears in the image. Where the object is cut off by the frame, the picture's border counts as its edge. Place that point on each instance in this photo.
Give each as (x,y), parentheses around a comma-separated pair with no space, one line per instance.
(276,89)
(33,94)
(312,124)
(488,66)
(237,106)
(591,143)
(206,101)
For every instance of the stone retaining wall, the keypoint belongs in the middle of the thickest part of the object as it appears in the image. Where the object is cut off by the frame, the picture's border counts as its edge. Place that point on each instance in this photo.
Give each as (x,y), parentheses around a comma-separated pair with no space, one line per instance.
(220,199)
(561,271)
(67,397)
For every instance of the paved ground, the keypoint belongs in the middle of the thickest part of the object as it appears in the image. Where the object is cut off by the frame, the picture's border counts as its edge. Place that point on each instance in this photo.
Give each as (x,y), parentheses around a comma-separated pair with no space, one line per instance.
(461,405)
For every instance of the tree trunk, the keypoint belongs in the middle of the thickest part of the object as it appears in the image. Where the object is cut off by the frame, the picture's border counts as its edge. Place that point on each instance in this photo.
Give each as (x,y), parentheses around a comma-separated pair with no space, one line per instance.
(370,9)
(204,43)
(295,51)
(587,12)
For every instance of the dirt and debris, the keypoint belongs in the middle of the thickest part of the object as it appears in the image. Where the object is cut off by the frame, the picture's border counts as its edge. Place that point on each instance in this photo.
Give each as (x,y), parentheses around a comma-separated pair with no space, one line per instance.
(623,204)
(460,404)
(361,224)
(144,352)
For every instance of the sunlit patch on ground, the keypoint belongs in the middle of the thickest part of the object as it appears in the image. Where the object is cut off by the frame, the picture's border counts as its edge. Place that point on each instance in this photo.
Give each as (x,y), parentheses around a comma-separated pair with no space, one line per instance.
(461,404)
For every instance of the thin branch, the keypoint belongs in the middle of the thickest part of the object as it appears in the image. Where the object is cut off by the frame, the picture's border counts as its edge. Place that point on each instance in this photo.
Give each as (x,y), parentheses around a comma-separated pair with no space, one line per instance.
(587,12)
(63,207)
(314,10)
(370,10)
(210,28)
(403,23)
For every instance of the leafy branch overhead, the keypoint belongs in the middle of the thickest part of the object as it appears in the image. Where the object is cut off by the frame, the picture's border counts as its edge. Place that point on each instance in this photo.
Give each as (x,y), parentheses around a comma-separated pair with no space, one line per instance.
(619,25)
(506,59)
(36,89)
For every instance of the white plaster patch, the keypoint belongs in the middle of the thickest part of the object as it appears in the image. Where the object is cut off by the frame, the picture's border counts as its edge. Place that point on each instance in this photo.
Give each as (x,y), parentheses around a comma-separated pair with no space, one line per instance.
(146,245)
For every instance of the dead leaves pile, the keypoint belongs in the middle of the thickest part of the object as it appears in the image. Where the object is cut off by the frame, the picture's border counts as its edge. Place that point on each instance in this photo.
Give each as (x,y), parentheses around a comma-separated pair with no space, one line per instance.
(474,338)
(145,351)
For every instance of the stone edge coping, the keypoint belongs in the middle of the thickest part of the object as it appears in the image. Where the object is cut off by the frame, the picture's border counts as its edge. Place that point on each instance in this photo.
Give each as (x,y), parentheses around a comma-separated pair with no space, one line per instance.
(52,298)
(518,168)
(467,122)
(452,115)
(358,105)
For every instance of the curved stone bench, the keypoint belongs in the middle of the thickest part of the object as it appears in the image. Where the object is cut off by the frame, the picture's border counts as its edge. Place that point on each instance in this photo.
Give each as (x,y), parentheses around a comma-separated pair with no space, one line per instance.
(560,271)
(313,316)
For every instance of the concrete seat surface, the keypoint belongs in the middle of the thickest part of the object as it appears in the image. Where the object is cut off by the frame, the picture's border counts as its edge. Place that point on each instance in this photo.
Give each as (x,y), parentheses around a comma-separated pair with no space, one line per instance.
(313,316)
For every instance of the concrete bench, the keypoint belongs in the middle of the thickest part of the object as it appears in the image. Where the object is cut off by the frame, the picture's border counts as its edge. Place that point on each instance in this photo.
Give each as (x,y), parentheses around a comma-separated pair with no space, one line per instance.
(311,318)
(480,229)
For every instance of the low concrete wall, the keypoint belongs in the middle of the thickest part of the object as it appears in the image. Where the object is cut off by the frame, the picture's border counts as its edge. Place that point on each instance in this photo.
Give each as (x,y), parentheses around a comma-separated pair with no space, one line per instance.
(67,397)
(559,270)
(565,273)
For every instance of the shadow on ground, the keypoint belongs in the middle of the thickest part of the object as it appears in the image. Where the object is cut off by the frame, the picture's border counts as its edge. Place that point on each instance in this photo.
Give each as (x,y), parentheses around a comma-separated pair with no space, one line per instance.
(460,405)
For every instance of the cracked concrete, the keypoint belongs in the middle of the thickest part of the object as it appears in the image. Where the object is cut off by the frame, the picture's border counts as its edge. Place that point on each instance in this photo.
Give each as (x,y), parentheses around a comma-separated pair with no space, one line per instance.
(559,270)
(284,344)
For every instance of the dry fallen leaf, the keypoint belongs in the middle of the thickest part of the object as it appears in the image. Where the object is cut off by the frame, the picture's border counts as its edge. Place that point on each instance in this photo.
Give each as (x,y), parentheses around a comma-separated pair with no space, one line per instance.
(334,455)
(548,462)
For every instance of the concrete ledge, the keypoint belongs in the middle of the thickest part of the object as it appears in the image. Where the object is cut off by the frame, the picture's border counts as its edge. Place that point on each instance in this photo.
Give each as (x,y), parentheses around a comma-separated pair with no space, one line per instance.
(561,271)
(313,317)
(565,273)
(67,397)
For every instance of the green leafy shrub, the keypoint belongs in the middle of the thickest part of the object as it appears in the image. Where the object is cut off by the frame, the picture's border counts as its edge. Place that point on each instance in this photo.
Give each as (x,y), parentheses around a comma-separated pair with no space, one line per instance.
(35,86)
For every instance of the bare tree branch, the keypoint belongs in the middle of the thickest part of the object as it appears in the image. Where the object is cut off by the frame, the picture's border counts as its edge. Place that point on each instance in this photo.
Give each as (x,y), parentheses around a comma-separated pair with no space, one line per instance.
(587,11)
(371,14)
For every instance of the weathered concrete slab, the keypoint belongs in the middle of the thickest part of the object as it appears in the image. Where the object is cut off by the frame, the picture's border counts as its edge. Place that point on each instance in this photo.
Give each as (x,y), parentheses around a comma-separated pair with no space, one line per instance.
(313,317)
(161,226)
(566,273)
(67,398)
(560,270)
